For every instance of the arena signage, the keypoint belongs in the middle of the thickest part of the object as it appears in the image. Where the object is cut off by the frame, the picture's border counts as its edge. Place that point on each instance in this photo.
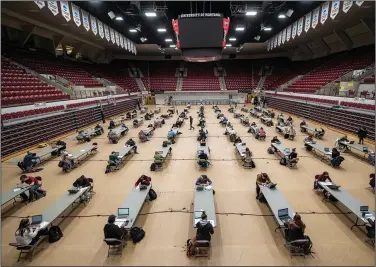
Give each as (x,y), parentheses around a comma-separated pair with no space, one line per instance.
(200,15)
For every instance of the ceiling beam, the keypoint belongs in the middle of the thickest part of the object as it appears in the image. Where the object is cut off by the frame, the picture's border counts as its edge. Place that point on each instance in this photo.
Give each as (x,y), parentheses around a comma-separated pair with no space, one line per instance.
(305,49)
(47,27)
(323,45)
(369,24)
(29,30)
(344,38)
(57,39)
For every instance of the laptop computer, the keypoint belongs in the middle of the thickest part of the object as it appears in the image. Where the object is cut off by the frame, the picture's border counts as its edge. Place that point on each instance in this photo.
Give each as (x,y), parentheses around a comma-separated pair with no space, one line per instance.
(283,215)
(73,190)
(364,208)
(123,213)
(334,186)
(352,142)
(199,187)
(271,186)
(36,220)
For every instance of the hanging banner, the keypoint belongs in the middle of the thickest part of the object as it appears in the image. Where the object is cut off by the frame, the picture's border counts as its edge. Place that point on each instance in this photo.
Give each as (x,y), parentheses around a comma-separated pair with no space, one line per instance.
(335,9)
(93,21)
(288,33)
(279,39)
(117,39)
(275,41)
(324,12)
(283,36)
(85,20)
(106,32)
(307,23)
(76,15)
(121,41)
(112,36)
(53,7)
(294,28)
(315,18)
(300,26)
(128,45)
(40,4)
(226,25)
(125,44)
(359,3)
(268,45)
(346,6)
(65,10)
(100,29)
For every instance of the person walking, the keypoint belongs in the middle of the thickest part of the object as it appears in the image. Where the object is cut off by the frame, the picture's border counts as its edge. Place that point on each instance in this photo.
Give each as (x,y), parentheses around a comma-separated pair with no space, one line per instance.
(190,123)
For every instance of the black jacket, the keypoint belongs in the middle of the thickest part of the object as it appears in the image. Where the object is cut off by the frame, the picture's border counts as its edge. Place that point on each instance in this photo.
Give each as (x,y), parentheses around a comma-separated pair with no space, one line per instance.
(112,231)
(204,230)
(81,182)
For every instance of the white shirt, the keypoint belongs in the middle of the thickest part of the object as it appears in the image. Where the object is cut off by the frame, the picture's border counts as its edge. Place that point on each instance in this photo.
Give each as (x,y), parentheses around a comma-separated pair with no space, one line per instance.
(27,237)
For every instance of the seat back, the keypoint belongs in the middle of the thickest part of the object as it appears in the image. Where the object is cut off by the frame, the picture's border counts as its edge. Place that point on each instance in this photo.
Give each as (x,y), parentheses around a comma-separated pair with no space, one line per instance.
(112,241)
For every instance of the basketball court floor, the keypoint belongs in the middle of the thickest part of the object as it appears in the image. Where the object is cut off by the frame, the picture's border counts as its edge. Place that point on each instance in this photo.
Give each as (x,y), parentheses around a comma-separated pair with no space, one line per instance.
(238,240)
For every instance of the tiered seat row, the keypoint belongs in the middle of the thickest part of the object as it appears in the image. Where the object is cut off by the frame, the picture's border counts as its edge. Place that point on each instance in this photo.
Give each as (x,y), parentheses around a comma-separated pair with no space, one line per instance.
(81,104)
(346,120)
(30,113)
(200,77)
(358,105)
(20,136)
(241,74)
(369,79)
(159,75)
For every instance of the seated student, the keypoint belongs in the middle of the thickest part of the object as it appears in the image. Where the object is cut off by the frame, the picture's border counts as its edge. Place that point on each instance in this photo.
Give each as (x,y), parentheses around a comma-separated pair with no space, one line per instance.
(112,136)
(158,159)
(30,160)
(114,158)
(112,125)
(275,140)
(35,185)
(124,126)
(143,180)
(223,120)
(335,153)
(291,131)
(262,179)
(82,182)
(66,161)
(128,116)
(343,139)
(295,229)
(134,111)
(372,180)
(203,180)
(262,132)
(28,236)
(202,135)
(204,228)
(324,177)
(248,158)
(272,114)
(309,139)
(303,123)
(238,140)
(293,155)
(171,134)
(131,142)
(98,129)
(111,230)
(147,116)
(289,119)
(151,126)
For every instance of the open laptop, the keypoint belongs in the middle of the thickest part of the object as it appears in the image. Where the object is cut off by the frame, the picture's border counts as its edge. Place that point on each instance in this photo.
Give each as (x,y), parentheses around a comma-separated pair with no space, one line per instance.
(333,186)
(283,215)
(123,213)
(73,190)
(271,186)
(36,220)
(199,187)
(364,208)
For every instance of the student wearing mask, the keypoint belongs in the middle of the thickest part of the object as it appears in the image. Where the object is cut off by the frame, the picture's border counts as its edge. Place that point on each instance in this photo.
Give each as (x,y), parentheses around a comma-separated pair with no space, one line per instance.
(262,179)
(143,180)
(309,139)
(324,177)
(335,153)
(275,140)
(131,142)
(28,236)
(296,228)
(111,230)
(343,139)
(30,161)
(82,182)
(293,154)
(98,129)
(203,180)
(204,228)
(35,185)
(112,125)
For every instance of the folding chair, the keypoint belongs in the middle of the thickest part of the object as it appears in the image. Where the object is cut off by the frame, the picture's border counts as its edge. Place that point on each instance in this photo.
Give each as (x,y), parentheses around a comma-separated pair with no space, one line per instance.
(202,248)
(115,246)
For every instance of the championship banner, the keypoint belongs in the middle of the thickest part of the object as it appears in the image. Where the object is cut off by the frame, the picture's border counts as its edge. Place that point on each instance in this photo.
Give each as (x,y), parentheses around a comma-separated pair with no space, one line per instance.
(268,45)
(300,26)
(40,4)
(359,3)
(93,21)
(294,28)
(315,18)
(279,38)
(117,39)
(335,9)
(324,12)
(53,7)
(226,25)
(129,45)
(283,36)
(112,36)
(288,33)
(125,44)
(76,15)
(65,10)
(85,20)
(307,24)
(275,41)
(121,41)
(175,26)
(346,6)
(100,29)
(106,32)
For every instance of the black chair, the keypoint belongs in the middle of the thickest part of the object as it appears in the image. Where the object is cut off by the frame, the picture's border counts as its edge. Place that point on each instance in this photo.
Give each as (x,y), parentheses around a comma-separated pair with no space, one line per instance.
(115,246)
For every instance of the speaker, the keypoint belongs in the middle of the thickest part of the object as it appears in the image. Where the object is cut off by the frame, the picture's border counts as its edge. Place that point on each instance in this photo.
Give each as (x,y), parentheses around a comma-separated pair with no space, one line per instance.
(232,56)
(167,57)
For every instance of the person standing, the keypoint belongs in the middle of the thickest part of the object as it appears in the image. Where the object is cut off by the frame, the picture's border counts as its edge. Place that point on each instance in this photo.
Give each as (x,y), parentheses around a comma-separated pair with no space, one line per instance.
(190,123)
(362,133)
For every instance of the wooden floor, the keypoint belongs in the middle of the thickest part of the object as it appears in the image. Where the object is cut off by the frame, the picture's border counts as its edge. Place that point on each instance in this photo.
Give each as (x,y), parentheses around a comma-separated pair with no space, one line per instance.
(238,240)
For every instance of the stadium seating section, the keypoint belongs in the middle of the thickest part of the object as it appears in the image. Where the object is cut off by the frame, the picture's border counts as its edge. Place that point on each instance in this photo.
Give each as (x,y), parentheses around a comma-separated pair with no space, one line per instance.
(159,75)
(200,77)
(241,74)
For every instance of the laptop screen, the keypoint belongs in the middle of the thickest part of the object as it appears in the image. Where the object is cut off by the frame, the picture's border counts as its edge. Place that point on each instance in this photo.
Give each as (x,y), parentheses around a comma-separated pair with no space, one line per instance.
(123,211)
(363,208)
(283,212)
(36,219)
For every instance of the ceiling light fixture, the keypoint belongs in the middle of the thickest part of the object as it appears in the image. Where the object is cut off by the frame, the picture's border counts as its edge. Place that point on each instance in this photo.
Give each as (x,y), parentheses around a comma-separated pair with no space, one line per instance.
(133,30)
(119,18)
(161,30)
(267,29)
(150,14)
(251,13)
(239,29)
(228,45)
(289,12)
(111,15)
(232,39)
(257,38)
(172,45)
(282,16)
(143,39)
(168,40)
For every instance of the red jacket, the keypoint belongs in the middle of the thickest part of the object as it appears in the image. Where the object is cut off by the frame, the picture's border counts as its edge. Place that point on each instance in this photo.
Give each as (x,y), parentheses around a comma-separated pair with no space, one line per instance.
(144,180)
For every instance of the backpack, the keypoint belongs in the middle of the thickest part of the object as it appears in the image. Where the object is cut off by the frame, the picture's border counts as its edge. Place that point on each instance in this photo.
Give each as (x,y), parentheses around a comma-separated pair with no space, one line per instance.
(61,164)
(54,234)
(108,168)
(173,141)
(283,162)
(137,234)
(152,195)
(164,144)
(270,150)
(191,247)
(152,167)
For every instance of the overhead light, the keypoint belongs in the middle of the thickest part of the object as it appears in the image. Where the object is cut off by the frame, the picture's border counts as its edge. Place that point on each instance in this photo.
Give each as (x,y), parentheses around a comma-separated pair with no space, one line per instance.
(143,39)
(267,29)
(172,45)
(111,15)
(168,40)
(282,16)
(251,13)
(239,29)
(232,39)
(228,45)
(150,14)
(257,38)
(119,18)
(161,30)
(133,30)
(289,12)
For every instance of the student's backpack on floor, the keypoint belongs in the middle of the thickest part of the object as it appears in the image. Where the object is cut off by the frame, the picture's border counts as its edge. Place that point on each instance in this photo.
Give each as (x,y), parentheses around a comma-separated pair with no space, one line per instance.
(137,234)
(152,167)
(152,195)
(164,144)
(270,150)
(54,234)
